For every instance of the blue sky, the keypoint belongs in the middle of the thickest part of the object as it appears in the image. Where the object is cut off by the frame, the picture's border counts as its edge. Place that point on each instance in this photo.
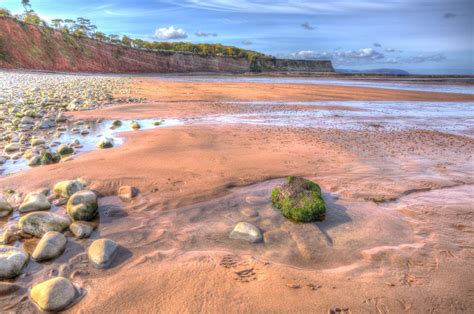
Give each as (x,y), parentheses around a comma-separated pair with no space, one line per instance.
(420,36)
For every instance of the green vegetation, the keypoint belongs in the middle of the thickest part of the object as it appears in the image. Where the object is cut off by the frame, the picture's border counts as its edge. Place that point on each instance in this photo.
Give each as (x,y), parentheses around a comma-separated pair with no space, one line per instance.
(300,200)
(83,28)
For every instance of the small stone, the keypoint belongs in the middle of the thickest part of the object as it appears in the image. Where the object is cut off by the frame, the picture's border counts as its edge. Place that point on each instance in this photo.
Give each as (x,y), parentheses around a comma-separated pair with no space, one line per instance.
(117,123)
(249,212)
(67,188)
(37,141)
(12,261)
(101,252)
(126,193)
(5,207)
(54,294)
(64,149)
(51,245)
(34,201)
(81,229)
(38,223)
(105,143)
(12,147)
(82,205)
(135,125)
(246,231)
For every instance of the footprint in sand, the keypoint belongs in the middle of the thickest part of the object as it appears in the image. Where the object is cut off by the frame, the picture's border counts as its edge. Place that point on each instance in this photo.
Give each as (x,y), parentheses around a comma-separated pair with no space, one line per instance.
(243,270)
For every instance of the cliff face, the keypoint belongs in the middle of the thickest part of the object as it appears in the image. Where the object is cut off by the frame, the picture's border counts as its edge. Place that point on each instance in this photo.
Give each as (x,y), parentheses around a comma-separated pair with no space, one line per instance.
(26,46)
(289,65)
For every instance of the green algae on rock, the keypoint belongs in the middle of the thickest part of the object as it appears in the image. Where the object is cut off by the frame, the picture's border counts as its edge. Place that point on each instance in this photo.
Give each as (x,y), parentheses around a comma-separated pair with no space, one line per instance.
(300,200)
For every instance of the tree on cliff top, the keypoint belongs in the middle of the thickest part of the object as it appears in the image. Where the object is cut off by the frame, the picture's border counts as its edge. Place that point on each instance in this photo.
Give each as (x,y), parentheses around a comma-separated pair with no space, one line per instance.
(4,12)
(26,5)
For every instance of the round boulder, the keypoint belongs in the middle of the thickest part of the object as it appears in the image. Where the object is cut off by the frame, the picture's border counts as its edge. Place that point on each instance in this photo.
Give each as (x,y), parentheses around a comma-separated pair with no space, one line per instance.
(54,294)
(82,205)
(12,261)
(101,252)
(300,200)
(51,245)
(246,231)
(34,201)
(39,223)
(67,188)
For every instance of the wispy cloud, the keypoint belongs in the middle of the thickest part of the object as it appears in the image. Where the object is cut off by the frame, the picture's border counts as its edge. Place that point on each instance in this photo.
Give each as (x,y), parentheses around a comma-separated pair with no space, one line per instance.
(449,15)
(247,42)
(170,33)
(377,45)
(389,49)
(204,34)
(307,26)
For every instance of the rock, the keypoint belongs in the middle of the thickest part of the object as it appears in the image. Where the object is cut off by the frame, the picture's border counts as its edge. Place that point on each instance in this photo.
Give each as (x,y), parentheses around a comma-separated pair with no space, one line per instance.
(37,141)
(7,288)
(3,160)
(135,125)
(64,149)
(12,261)
(126,193)
(101,252)
(81,229)
(246,231)
(105,143)
(249,212)
(67,188)
(54,294)
(300,200)
(51,245)
(82,205)
(34,201)
(117,123)
(9,235)
(5,208)
(38,223)
(12,147)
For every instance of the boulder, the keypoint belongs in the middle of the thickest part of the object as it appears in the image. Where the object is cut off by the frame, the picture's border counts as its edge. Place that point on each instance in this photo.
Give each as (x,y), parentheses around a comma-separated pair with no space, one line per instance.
(246,231)
(101,252)
(81,229)
(12,261)
(105,143)
(300,200)
(53,295)
(38,223)
(64,149)
(67,188)
(82,205)
(5,207)
(51,245)
(34,201)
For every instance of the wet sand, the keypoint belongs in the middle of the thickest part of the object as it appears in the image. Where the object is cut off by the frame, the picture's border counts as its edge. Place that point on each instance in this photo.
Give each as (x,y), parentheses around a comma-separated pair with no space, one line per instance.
(398,236)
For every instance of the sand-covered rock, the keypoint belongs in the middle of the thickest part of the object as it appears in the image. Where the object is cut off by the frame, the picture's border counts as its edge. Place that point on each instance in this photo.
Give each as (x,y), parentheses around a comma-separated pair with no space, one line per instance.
(82,205)
(34,201)
(5,207)
(51,245)
(67,188)
(39,223)
(246,231)
(300,200)
(101,252)
(54,294)
(12,261)
(81,229)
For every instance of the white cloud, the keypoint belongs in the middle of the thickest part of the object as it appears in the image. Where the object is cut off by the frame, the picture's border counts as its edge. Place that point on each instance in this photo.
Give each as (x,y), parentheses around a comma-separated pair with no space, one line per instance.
(389,49)
(170,33)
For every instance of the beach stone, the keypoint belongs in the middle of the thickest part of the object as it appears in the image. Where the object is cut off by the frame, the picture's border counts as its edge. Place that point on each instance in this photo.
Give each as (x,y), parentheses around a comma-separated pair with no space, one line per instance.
(38,223)
(12,261)
(101,252)
(81,229)
(37,141)
(82,205)
(135,125)
(67,188)
(12,147)
(64,149)
(3,160)
(246,231)
(249,212)
(117,123)
(126,193)
(5,207)
(51,245)
(105,143)
(300,200)
(54,294)
(34,201)
(9,235)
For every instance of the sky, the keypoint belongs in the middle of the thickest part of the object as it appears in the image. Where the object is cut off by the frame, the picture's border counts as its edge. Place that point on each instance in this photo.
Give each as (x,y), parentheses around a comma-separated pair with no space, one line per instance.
(419,36)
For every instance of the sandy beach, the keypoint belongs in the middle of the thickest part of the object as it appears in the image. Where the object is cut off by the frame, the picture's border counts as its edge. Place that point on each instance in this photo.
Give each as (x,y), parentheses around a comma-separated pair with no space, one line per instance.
(399,189)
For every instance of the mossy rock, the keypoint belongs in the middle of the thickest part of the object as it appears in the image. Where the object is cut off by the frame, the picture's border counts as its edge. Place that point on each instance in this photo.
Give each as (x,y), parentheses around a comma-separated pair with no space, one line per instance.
(300,200)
